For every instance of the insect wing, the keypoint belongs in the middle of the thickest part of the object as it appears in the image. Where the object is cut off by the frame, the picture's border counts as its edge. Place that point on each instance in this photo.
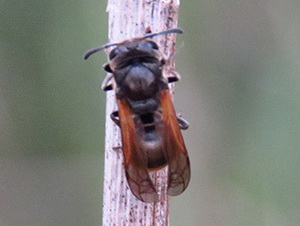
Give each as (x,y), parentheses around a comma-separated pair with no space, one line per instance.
(175,150)
(134,157)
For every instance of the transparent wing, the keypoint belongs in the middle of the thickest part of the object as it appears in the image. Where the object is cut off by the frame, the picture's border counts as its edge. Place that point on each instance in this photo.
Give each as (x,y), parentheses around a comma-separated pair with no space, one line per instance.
(175,150)
(135,160)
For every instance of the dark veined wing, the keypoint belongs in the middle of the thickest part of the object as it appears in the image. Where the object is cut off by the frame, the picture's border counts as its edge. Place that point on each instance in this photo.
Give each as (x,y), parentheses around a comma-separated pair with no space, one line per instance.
(134,157)
(175,150)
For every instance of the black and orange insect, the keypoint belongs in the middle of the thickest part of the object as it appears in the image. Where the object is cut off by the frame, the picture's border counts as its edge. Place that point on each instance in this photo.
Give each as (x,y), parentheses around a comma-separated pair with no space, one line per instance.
(150,128)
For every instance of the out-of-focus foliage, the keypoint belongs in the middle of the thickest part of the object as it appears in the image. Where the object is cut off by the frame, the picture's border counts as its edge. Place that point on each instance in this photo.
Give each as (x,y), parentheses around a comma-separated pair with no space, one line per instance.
(51,112)
(240,89)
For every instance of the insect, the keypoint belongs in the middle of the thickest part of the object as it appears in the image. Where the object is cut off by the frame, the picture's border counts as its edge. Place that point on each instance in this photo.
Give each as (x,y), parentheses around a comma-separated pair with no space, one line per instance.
(150,128)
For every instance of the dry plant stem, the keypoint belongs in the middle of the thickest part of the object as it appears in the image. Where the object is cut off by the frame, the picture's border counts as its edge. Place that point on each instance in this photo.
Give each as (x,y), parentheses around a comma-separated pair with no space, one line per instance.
(128,19)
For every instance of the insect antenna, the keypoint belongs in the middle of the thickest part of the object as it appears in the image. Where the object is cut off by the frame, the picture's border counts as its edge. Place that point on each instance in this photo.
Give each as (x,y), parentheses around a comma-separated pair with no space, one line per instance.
(97,49)
(174,30)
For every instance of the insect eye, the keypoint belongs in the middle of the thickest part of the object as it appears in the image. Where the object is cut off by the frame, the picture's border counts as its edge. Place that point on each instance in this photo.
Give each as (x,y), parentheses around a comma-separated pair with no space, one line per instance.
(114,53)
(152,45)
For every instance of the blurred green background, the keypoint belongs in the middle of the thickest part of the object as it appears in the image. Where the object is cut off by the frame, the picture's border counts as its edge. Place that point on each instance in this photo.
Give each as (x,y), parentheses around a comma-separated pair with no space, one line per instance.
(240,88)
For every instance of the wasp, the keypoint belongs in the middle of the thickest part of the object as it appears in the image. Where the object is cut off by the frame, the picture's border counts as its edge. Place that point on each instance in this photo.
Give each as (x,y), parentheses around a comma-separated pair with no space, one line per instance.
(150,128)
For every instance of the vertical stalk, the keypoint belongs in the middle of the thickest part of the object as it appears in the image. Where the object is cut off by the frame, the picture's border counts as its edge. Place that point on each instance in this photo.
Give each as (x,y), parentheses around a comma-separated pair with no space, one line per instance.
(128,19)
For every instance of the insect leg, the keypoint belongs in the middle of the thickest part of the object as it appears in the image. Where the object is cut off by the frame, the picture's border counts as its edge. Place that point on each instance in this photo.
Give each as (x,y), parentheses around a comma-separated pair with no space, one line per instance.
(183,124)
(107,83)
(115,117)
(173,76)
